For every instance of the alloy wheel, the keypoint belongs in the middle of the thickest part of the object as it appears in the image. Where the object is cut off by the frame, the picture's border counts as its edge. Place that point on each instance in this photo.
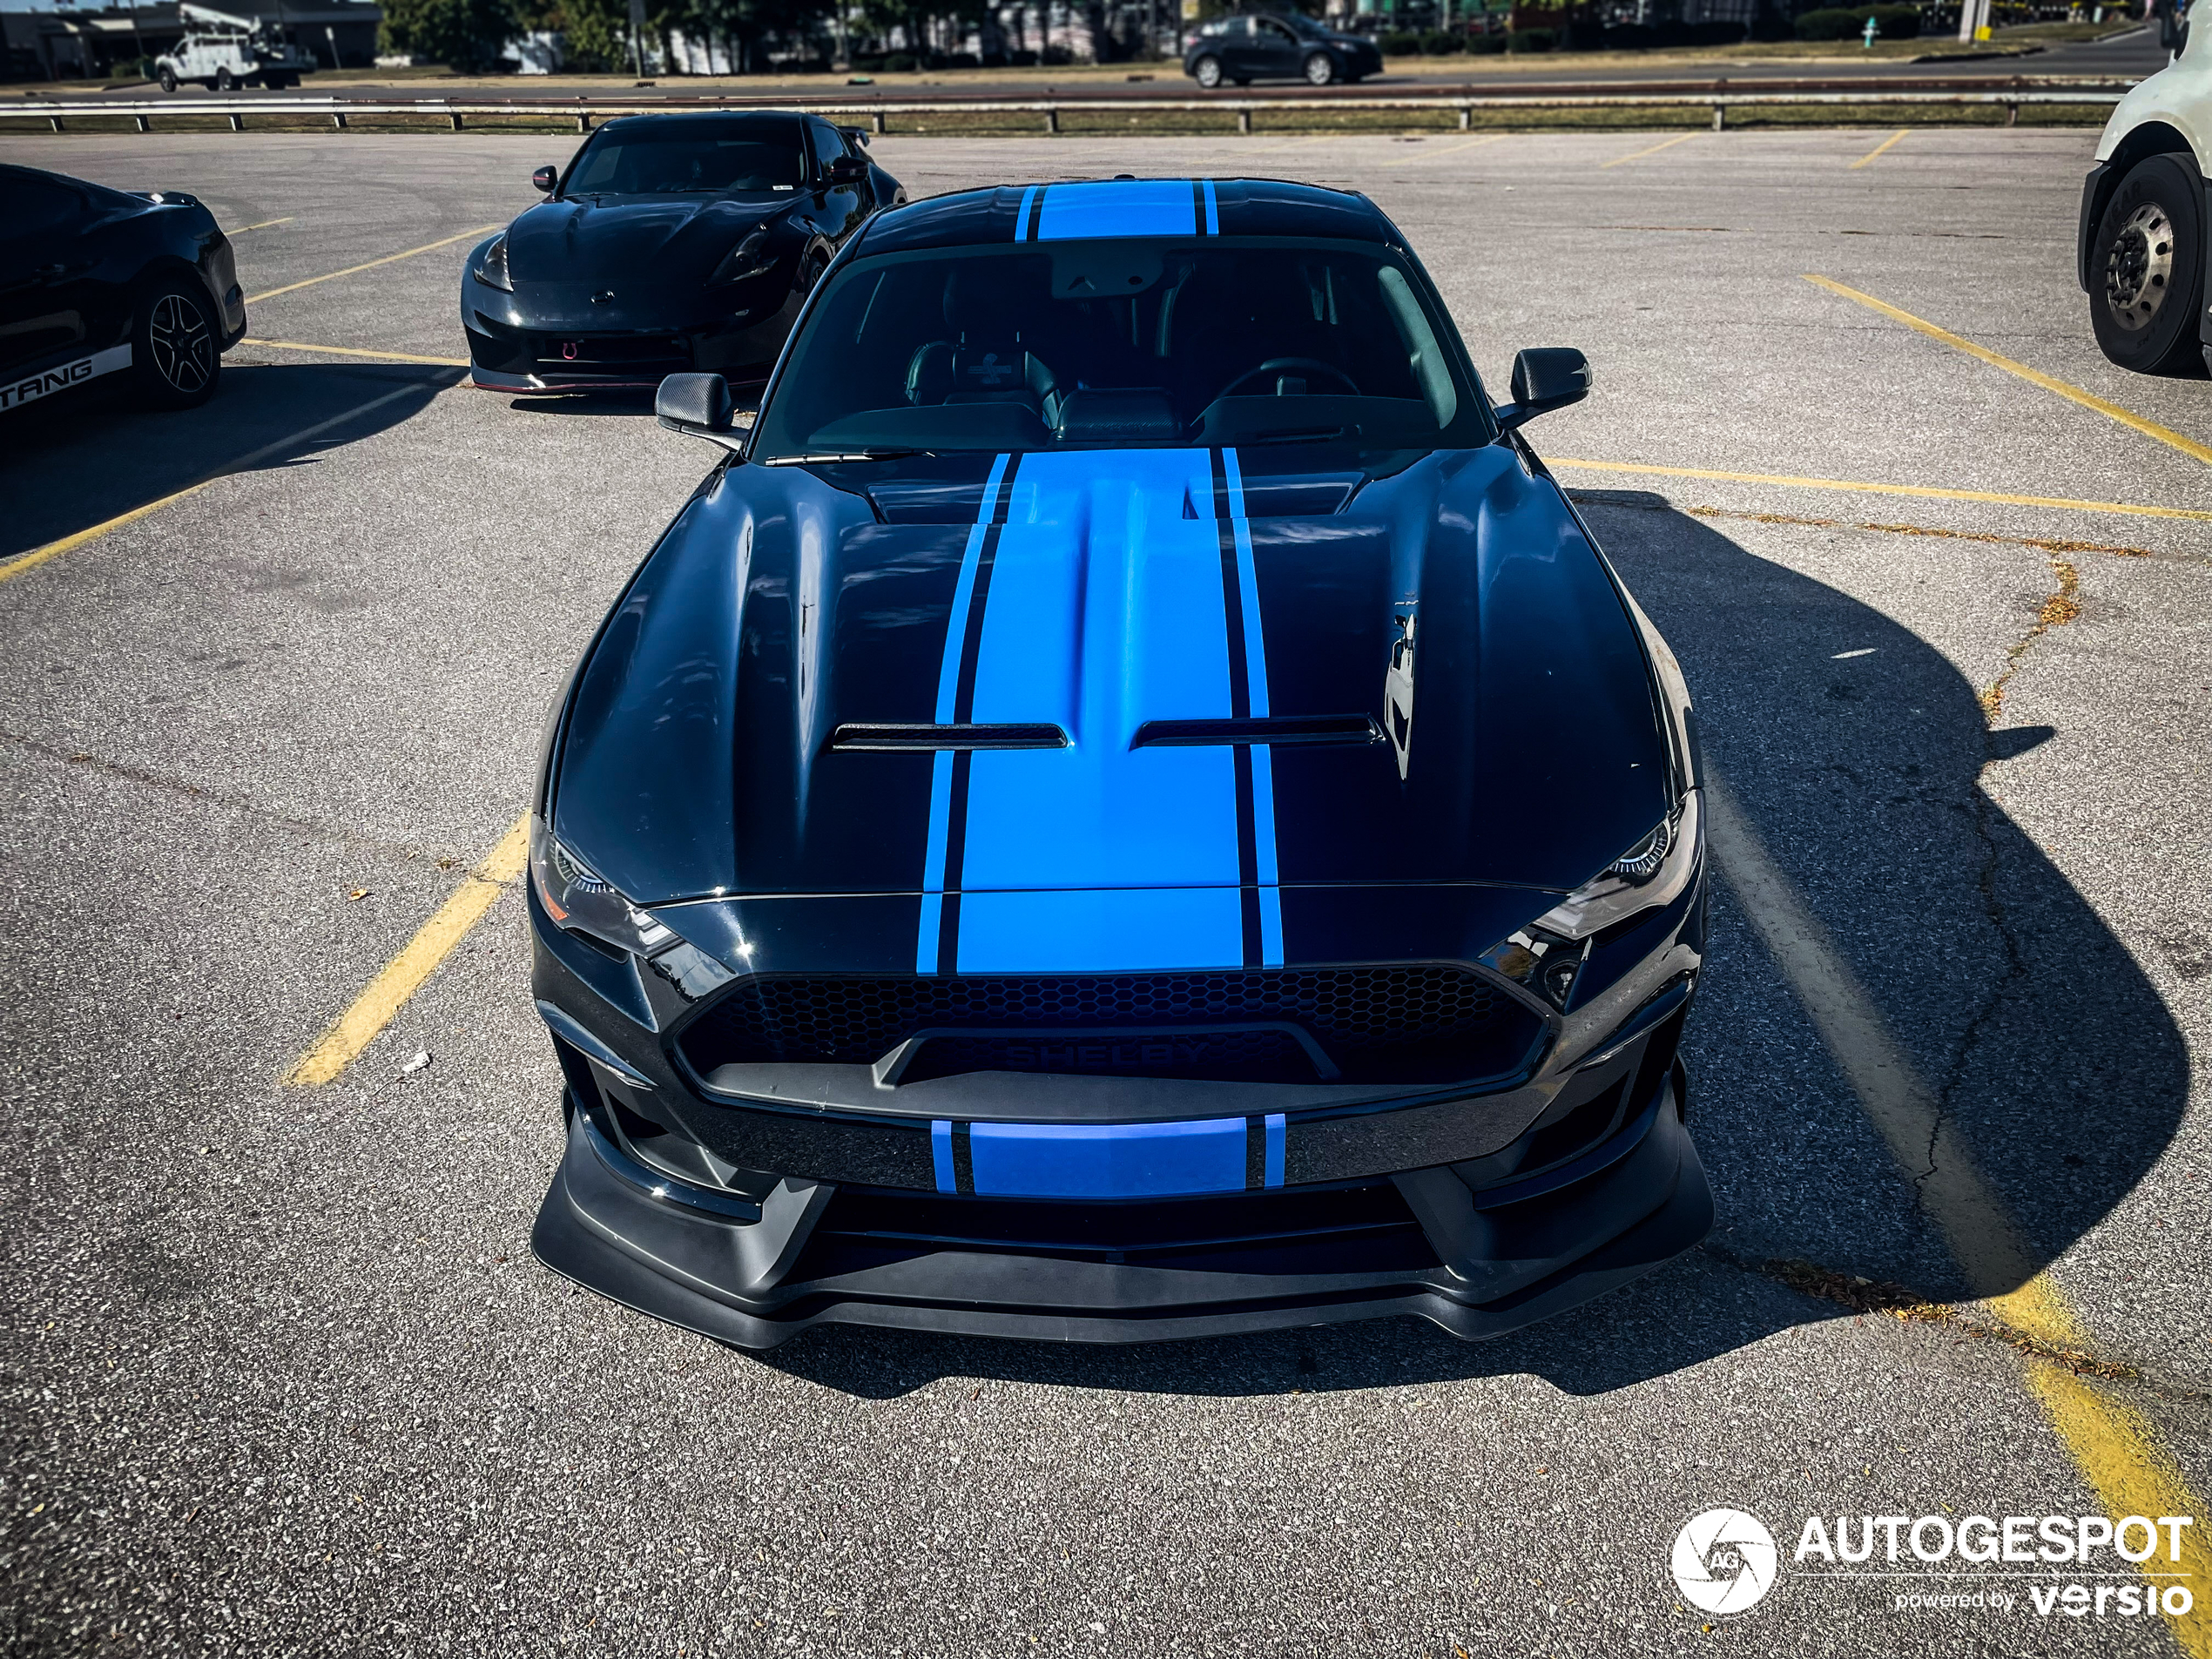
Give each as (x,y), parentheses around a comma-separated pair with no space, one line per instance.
(182,345)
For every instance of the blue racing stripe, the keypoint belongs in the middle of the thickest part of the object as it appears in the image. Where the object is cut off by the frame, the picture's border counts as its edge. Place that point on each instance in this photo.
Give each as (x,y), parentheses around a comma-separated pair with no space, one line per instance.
(1107,1160)
(940,1155)
(1021,219)
(1121,207)
(1270,891)
(1276,1137)
(1105,610)
(927,932)
(1213,210)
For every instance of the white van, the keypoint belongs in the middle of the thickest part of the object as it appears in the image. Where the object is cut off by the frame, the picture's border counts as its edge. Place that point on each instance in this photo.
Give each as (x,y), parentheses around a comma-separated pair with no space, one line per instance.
(2146,221)
(223,50)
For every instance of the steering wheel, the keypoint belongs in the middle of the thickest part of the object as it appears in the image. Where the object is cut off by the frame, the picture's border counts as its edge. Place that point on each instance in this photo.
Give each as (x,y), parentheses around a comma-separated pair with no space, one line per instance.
(1309,365)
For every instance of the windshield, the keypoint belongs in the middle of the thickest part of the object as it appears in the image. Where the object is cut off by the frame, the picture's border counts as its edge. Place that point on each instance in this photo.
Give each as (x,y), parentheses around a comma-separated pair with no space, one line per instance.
(1128,342)
(691,159)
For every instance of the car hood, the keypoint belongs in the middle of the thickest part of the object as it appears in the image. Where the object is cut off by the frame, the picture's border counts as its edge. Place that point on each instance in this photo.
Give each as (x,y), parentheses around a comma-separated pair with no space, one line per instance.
(659,238)
(1451,598)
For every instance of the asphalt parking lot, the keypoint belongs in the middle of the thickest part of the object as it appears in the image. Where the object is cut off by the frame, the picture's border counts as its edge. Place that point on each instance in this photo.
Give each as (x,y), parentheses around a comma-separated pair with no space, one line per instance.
(281,1376)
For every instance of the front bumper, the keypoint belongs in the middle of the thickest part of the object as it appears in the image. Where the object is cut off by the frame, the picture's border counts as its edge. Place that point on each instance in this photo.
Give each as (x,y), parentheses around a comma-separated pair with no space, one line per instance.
(1475,1265)
(748,1204)
(515,347)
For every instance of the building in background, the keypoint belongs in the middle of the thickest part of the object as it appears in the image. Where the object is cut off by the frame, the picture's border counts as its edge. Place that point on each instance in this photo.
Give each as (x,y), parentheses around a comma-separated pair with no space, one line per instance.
(88,44)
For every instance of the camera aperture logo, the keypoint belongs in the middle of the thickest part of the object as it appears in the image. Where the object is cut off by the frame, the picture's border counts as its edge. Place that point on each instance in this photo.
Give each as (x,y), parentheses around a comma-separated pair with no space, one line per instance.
(1724,1561)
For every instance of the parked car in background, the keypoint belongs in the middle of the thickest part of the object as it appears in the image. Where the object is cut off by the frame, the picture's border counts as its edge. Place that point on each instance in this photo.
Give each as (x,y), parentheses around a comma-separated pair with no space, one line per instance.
(221,49)
(671,243)
(2146,219)
(96,281)
(1271,46)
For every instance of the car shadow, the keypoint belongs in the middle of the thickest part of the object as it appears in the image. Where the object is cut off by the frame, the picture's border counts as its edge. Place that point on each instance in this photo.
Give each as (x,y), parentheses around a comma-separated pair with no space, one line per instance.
(1854,750)
(89,456)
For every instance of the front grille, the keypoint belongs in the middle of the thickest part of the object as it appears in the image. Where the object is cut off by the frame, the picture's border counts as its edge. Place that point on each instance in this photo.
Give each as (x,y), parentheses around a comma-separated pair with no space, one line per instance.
(1336,1231)
(607,353)
(1399,1022)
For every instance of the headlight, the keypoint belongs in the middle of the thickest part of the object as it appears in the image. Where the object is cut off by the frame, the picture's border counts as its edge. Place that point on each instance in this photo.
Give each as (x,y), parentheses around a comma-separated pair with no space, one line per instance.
(1652,872)
(749,259)
(581,901)
(1548,955)
(491,270)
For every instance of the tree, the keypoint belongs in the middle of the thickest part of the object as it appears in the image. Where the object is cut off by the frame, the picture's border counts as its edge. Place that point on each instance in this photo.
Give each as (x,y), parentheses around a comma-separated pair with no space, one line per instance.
(469,35)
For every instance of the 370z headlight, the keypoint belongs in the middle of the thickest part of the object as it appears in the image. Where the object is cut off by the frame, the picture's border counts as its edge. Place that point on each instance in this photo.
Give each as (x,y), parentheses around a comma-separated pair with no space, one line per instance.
(1548,955)
(491,270)
(751,257)
(576,899)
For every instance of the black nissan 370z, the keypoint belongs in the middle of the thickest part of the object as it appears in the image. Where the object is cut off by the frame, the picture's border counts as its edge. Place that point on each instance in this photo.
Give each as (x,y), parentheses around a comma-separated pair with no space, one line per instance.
(671,243)
(1127,805)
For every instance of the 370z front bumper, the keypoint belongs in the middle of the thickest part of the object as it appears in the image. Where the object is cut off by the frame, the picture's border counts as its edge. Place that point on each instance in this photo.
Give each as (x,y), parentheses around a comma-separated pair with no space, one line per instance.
(751,1203)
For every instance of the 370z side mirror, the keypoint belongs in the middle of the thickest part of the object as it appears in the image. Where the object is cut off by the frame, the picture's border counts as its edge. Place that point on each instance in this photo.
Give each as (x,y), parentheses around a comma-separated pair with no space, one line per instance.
(1545,378)
(545,178)
(698,405)
(847,170)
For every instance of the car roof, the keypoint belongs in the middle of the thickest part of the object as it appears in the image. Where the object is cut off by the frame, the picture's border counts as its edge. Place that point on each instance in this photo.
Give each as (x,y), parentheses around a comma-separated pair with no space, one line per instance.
(780,120)
(1127,206)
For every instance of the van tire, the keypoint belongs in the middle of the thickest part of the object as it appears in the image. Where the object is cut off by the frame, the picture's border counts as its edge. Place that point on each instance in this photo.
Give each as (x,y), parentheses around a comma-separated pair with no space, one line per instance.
(2146,269)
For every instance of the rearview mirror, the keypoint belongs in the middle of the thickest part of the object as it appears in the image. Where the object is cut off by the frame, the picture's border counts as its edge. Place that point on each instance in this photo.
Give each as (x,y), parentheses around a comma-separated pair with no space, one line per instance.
(699,407)
(847,170)
(545,178)
(1545,378)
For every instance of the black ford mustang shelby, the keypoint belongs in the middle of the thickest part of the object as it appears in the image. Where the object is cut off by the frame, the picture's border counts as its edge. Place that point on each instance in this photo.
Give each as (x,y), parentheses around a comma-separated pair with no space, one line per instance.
(96,282)
(671,243)
(1129,804)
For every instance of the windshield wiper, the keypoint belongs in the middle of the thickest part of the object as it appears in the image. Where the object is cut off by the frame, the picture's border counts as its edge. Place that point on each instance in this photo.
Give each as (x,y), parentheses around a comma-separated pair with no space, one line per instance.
(841,455)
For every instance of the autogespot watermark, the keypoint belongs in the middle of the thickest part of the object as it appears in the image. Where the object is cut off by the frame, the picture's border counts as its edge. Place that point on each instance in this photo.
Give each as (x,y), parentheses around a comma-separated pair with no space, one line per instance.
(2075,1566)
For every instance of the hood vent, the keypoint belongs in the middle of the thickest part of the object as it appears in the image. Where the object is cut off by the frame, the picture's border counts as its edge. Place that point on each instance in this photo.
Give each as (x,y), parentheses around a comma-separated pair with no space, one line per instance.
(853,738)
(1270,729)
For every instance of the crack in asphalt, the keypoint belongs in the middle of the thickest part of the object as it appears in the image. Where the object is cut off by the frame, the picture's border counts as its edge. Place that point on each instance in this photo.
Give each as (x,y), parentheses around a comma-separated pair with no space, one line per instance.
(2057,612)
(1898,1302)
(177,786)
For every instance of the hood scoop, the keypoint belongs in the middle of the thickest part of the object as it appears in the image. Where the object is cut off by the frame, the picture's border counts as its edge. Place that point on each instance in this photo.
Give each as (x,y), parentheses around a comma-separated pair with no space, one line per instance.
(1271,728)
(858,739)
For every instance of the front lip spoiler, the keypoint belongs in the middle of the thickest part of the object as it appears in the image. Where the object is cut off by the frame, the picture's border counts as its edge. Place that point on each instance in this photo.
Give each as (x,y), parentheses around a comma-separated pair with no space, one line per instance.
(489,380)
(734,1282)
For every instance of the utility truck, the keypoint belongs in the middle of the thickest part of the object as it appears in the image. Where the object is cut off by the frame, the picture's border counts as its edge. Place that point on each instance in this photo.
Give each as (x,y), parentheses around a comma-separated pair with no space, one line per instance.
(223,50)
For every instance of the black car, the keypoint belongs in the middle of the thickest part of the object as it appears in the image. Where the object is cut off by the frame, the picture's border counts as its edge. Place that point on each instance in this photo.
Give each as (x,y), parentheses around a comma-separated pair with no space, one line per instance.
(96,281)
(1130,805)
(1277,46)
(671,243)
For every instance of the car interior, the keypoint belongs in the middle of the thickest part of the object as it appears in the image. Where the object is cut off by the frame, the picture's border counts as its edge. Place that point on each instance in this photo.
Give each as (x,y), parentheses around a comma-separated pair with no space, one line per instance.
(1118,343)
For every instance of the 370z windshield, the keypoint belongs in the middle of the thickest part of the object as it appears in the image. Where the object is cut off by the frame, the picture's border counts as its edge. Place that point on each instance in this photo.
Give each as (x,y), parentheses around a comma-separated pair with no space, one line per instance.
(683,157)
(1128,343)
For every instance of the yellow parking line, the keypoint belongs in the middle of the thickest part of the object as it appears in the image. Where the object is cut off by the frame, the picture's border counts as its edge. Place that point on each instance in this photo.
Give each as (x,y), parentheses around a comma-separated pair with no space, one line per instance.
(403,975)
(2116,1450)
(1449,150)
(355,351)
(2189,447)
(1851,486)
(1881,149)
(11,569)
(390,259)
(1655,149)
(264,225)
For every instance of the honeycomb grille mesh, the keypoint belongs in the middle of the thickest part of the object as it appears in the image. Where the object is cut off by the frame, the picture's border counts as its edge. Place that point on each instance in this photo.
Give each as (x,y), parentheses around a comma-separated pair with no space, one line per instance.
(1368,1019)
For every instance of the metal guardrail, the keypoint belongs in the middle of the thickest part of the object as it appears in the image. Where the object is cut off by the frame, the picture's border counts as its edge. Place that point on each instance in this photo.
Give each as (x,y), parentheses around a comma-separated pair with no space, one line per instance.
(1718,97)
